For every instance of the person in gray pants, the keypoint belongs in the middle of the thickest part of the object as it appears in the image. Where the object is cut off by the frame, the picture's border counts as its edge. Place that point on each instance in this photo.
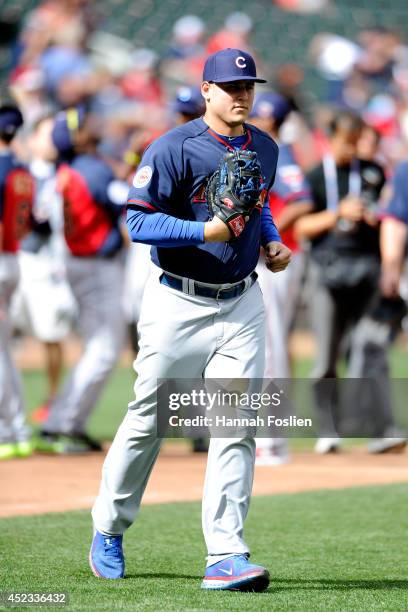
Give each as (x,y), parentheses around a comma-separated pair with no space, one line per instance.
(93,202)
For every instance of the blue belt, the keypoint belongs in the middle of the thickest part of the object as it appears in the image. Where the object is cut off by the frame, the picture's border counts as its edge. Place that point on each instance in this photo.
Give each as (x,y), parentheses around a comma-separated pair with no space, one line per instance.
(197,288)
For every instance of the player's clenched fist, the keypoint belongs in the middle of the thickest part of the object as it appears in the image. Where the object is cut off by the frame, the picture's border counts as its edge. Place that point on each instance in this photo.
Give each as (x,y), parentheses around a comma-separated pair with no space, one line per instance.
(277,256)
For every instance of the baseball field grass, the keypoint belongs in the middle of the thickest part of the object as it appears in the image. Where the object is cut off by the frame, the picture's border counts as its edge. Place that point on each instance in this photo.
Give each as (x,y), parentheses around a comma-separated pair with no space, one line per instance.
(329,550)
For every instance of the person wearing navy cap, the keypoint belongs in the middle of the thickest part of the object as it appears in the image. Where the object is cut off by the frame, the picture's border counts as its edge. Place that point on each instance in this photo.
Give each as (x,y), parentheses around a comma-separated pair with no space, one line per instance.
(230,65)
(188,105)
(202,318)
(273,109)
(16,201)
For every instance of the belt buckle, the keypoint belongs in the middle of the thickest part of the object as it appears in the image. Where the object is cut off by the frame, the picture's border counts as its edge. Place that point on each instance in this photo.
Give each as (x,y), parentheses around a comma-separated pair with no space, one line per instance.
(217,295)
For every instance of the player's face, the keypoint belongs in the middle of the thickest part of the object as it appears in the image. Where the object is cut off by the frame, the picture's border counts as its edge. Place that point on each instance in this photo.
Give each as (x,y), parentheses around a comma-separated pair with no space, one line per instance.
(40,142)
(344,145)
(228,103)
(368,144)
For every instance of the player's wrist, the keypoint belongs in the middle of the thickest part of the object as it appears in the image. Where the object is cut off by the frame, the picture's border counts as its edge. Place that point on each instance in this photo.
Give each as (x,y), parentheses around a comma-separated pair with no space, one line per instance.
(335,216)
(216,231)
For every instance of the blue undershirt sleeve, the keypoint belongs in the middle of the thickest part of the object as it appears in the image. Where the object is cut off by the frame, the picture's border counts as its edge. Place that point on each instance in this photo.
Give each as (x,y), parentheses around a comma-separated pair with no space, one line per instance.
(269,231)
(163,230)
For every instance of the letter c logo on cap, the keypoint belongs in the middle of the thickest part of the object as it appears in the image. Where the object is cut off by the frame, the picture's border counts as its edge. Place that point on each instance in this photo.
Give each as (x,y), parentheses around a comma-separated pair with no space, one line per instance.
(240,62)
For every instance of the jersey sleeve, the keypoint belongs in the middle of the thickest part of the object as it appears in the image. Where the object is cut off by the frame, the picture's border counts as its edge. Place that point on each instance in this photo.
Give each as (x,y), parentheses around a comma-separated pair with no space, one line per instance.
(269,231)
(157,181)
(398,204)
(290,184)
(105,189)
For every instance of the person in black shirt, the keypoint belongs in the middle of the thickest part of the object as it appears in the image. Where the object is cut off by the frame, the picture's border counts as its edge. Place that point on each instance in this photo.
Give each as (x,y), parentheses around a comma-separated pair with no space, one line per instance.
(343,232)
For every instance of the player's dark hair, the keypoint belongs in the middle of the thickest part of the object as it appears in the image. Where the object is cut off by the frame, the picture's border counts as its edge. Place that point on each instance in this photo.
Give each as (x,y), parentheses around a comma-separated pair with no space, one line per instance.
(345,121)
(6,138)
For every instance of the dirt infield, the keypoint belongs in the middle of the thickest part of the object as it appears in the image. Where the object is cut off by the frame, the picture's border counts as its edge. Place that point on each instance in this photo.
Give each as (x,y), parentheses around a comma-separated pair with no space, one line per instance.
(56,483)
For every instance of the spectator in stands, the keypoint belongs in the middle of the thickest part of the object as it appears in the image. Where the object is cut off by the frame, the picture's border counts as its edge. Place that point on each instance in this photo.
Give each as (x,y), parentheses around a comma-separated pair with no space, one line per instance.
(142,82)
(184,59)
(234,34)
(188,33)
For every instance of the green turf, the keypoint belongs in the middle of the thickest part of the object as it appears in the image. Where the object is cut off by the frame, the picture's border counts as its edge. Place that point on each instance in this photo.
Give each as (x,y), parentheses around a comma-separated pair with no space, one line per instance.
(330,550)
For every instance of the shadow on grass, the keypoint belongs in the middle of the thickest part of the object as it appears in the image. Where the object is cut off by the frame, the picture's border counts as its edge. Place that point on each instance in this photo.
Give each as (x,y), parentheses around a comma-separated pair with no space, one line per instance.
(335,585)
(288,584)
(163,575)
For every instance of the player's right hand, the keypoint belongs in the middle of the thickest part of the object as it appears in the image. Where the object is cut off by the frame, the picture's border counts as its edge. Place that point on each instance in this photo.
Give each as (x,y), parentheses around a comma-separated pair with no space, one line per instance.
(390,281)
(351,208)
(277,256)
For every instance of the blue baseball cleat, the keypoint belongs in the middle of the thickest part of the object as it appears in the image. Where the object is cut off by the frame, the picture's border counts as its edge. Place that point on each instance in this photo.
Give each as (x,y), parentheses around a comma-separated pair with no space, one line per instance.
(236,574)
(106,556)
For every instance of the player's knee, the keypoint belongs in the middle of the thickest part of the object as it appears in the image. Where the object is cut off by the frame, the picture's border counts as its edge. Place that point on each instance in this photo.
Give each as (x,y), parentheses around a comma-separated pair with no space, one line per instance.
(143,425)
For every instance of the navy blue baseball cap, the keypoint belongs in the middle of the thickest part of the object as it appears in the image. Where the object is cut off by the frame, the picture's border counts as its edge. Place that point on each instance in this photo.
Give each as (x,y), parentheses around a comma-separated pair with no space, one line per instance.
(271,105)
(230,65)
(10,120)
(189,101)
(66,124)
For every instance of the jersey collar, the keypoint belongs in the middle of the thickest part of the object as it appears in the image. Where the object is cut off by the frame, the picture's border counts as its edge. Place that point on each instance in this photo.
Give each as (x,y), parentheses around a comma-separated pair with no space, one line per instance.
(226,144)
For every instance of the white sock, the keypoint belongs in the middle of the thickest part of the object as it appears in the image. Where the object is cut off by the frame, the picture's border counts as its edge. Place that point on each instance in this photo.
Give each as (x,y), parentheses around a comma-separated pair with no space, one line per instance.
(212,559)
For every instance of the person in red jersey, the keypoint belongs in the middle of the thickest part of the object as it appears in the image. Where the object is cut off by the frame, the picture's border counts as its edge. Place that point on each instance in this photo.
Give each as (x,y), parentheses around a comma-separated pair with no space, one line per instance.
(16,199)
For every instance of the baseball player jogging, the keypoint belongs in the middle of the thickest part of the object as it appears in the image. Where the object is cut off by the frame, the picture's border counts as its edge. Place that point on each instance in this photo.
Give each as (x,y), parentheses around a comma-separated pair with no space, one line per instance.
(202,314)
(93,201)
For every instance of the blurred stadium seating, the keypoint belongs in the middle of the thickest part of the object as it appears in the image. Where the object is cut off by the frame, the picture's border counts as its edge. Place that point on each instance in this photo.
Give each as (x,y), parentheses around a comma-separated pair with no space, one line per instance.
(278,36)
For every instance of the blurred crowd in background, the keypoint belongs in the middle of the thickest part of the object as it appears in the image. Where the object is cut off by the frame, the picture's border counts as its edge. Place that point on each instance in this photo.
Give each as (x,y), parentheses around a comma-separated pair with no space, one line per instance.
(62,58)
(60,61)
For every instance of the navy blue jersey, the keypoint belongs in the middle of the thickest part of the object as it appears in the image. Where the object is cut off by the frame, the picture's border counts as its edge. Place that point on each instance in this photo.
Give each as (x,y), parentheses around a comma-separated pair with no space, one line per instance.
(398,204)
(290,184)
(171,179)
(290,187)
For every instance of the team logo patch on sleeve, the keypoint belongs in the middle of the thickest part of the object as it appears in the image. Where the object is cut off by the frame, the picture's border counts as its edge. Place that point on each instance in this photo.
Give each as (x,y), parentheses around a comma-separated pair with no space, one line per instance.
(143,176)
